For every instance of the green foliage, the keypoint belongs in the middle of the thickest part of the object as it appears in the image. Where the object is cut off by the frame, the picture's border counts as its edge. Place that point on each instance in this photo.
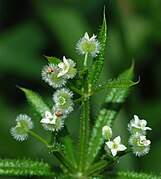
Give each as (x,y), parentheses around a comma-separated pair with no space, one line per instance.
(98,166)
(36,101)
(134,175)
(116,83)
(24,167)
(81,163)
(113,103)
(98,62)
(69,150)
(53,60)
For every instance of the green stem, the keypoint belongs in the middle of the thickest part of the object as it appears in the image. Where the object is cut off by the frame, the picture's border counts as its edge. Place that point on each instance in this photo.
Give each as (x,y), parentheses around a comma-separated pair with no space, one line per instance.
(78,100)
(64,161)
(85,60)
(84,134)
(73,88)
(97,167)
(33,134)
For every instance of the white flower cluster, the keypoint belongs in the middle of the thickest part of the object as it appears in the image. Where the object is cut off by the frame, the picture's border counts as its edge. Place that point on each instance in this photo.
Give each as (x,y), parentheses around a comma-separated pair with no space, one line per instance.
(138,142)
(62,107)
(56,75)
(114,146)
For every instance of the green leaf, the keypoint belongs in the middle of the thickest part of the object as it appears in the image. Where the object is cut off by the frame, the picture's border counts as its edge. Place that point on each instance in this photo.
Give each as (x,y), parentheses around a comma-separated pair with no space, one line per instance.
(116,83)
(134,175)
(36,101)
(53,60)
(24,167)
(69,150)
(97,167)
(114,101)
(98,62)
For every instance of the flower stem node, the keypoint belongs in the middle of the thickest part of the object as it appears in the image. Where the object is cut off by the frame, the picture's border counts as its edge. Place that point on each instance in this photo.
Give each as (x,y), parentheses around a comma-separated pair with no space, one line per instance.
(115,146)
(137,125)
(107,132)
(52,122)
(66,68)
(88,45)
(63,100)
(23,125)
(140,145)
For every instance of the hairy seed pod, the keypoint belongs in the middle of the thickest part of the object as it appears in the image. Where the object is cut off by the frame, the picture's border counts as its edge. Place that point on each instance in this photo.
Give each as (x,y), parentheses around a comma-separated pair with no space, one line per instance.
(49,70)
(58,113)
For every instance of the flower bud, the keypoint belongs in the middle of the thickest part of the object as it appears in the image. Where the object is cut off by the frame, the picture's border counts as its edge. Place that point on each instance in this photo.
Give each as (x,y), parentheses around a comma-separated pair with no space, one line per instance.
(23,125)
(88,45)
(107,132)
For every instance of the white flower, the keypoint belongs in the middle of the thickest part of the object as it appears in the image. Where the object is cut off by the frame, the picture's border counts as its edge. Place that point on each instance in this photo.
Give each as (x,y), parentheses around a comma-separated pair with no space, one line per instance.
(107,132)
(23,125)
(140,145)
(50,75)
(115,145)
(49,118)
(143,141)
(54,127)
(137,125)
(67,69)
(64,66)
(63,100)
(52,122)
(88,45)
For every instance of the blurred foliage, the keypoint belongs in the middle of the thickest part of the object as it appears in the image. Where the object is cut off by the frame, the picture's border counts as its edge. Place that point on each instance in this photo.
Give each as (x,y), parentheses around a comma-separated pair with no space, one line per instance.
(30,29)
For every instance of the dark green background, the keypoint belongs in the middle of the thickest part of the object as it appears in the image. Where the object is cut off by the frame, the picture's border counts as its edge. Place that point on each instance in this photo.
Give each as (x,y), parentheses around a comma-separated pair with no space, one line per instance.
(30,29)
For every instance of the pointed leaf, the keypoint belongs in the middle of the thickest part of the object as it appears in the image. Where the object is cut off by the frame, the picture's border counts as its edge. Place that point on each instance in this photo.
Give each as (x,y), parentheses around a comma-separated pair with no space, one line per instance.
(97,167)
(53,60)
(69,150)
(24,167)
(98,62)
(116,83)
(107,114)
(134,175)
(36,101)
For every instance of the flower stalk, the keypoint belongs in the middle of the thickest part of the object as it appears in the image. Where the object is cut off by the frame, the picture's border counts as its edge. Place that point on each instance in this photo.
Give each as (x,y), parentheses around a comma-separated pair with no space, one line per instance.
(84,125)
(85,60)
(36,136)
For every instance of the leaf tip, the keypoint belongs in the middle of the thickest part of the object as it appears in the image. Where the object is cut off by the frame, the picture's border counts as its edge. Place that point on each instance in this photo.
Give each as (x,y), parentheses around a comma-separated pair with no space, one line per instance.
(19,87)
(132,64)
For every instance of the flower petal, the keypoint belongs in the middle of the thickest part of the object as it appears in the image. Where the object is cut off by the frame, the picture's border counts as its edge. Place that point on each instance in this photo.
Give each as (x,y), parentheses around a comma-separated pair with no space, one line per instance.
(136,119)
(53,121)
(45,121)
(65,61)
(86,36)
(143,122)
(61,74)
(117,140)
(121,147)
(61,65)
(109,144)
(48,114)
(114,152)
(147,128)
